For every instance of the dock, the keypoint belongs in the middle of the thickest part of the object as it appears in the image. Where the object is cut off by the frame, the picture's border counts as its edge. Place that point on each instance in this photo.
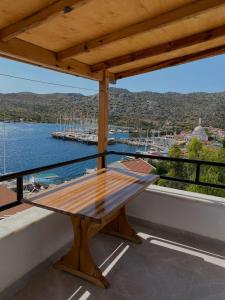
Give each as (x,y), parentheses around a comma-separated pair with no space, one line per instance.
(90,137)
(81,137)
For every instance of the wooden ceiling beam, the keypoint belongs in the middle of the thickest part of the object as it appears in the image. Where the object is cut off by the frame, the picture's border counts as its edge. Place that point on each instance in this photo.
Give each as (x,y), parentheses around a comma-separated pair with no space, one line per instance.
(53,10)
(174,16)
(162,48)
(19,50)
(172,62)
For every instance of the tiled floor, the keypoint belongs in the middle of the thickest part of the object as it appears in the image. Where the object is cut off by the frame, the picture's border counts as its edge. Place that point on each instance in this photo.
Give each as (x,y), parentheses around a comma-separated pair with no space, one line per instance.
(162,267)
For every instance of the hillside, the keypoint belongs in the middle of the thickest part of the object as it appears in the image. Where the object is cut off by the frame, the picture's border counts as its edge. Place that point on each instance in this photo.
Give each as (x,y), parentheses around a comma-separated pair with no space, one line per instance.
(157,110)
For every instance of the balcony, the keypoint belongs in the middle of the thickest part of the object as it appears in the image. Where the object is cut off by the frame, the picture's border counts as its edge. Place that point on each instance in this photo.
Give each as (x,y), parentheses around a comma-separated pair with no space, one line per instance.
(166,266)
(182,255)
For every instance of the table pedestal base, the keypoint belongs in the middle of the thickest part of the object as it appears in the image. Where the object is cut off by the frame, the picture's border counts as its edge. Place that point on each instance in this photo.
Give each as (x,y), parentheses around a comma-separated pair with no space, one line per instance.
(120,227)
(79,261)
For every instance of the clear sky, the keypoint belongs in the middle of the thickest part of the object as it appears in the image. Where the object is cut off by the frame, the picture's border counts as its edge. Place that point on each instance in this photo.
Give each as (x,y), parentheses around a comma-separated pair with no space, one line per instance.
(206,75)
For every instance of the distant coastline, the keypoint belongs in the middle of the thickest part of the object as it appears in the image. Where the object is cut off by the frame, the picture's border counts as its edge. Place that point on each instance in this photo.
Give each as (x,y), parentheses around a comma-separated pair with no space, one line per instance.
(164,111)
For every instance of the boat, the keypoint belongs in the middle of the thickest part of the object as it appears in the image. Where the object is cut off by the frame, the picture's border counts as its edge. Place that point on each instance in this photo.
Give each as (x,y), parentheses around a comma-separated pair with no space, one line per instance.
(90,171)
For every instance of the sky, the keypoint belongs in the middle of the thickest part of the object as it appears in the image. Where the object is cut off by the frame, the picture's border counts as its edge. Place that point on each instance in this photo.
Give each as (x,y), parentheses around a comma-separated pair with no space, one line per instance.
(206,75)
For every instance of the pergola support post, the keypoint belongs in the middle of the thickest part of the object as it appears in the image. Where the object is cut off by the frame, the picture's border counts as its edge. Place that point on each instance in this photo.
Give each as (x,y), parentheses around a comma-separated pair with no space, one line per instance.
(103,118)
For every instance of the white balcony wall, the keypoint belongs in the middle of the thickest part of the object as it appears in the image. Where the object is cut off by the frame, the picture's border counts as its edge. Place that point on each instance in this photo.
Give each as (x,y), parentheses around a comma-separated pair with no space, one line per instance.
(192,212)
(29,239)
(35,235)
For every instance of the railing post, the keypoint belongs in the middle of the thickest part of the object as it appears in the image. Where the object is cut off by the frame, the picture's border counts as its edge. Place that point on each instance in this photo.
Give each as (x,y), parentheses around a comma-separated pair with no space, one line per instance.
(197,174)
(19,188)
(103,162)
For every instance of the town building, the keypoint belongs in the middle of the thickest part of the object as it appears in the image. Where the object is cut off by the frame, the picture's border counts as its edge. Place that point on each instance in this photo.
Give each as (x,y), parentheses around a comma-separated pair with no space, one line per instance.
(200,133)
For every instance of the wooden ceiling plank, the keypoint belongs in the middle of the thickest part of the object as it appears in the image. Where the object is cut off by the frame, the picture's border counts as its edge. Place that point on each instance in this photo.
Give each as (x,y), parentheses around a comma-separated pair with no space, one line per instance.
(172,62)
(157,22)
(51,11)
(162,49)
(17,49)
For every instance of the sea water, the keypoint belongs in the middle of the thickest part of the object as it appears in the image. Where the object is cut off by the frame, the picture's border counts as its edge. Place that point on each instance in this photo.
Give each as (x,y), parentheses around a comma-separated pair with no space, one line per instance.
(30,145)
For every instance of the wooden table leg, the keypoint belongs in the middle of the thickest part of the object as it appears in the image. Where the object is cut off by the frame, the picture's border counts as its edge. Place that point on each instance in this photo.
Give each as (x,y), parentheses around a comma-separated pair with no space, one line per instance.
(120,227)
(79,261)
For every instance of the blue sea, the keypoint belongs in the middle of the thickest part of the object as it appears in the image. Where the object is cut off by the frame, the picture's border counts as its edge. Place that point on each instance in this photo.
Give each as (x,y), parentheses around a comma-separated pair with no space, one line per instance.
(30,145)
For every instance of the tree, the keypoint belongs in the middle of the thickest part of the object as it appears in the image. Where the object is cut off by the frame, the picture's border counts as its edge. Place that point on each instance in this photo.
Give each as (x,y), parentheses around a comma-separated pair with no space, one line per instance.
(160,166)
(175,169)
(223,142)
(211,174)
(175,151)
(194,148)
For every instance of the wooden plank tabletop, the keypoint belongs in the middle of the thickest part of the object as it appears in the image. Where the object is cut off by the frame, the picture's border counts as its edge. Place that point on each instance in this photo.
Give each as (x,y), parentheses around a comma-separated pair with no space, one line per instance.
(94,196)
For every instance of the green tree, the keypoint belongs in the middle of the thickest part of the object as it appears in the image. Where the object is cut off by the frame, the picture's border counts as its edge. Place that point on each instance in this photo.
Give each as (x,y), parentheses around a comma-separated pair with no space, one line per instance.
(223,142)
(174,169)
(160,166)
(211,174)
(175,151)
(194,148)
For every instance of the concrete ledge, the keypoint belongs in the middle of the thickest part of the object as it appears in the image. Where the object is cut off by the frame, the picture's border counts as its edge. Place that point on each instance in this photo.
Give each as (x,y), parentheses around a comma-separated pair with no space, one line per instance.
(24,280)
(185,195)
(192,212)
(181,236)
(34,236)
(27,239)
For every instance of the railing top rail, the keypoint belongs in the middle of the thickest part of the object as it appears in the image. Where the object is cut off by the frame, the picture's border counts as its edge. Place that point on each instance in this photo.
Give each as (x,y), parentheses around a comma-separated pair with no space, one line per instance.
(185,160)
(20,175)
(52,166)
(81,159)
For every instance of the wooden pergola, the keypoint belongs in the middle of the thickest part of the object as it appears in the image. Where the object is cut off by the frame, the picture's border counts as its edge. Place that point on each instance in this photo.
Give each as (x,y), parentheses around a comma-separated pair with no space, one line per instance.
(106,40)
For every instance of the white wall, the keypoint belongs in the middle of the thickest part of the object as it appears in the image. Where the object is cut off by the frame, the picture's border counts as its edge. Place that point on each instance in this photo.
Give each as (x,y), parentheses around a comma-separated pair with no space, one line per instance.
(32,236)
(29,238)
(193,212)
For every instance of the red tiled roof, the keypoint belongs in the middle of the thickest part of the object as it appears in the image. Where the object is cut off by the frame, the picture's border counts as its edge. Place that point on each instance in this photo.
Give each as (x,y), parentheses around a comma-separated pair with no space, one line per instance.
(6,195)
(138,165)
(14,210)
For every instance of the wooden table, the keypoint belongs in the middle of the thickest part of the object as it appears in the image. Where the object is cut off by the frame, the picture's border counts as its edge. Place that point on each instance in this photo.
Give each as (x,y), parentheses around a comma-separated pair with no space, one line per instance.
(94,202)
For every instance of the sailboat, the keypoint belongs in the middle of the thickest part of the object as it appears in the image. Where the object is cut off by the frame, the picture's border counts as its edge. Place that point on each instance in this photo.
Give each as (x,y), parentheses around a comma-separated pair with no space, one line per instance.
(146,151)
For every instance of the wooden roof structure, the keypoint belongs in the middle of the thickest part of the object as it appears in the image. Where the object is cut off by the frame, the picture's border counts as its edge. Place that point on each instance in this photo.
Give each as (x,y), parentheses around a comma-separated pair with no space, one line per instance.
(106,40)
(126,38)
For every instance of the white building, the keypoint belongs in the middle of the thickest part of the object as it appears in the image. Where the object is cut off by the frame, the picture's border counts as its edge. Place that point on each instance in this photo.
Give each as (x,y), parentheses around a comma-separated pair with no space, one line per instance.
(200,133)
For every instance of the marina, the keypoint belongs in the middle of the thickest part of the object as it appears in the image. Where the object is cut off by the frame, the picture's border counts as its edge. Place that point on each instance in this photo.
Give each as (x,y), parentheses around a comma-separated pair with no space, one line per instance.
(84,130)
(155,144)
(30,145)
(83,137)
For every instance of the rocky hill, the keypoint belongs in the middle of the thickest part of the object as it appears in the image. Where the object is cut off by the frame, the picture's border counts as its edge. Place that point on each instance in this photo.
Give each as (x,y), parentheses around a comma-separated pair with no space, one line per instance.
(156,110)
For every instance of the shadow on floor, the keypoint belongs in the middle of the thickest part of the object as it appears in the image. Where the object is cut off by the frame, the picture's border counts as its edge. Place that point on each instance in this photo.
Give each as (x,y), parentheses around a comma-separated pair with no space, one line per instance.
(159,268)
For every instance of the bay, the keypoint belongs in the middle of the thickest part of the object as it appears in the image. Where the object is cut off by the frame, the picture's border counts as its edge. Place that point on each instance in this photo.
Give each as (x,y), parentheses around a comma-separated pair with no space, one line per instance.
(29,145)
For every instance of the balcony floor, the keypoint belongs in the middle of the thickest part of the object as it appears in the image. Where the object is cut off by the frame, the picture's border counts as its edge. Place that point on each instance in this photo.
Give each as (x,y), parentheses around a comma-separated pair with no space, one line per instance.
(164,266)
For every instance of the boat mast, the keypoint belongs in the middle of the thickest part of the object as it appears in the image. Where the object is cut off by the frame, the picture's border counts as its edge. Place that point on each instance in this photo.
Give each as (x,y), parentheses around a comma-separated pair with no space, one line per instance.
(4,148)
(60,123)
(146,141)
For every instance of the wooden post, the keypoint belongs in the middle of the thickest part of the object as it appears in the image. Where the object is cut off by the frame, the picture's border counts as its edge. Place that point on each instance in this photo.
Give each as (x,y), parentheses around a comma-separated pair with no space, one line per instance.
(103,118)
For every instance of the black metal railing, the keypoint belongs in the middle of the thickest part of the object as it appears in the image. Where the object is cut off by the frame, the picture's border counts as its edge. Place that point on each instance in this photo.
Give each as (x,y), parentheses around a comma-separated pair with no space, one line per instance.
(198,163)
(20,175)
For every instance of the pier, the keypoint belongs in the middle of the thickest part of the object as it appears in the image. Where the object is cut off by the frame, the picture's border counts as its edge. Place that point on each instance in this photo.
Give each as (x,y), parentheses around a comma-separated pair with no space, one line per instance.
(81,137)
(91,138)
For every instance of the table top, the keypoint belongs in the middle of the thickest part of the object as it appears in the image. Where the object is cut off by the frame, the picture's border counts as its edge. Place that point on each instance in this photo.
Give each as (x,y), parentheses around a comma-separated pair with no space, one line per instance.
(94,196)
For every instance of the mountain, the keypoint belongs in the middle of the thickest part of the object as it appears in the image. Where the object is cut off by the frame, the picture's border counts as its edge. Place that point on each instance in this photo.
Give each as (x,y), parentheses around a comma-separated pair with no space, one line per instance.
(156,110)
